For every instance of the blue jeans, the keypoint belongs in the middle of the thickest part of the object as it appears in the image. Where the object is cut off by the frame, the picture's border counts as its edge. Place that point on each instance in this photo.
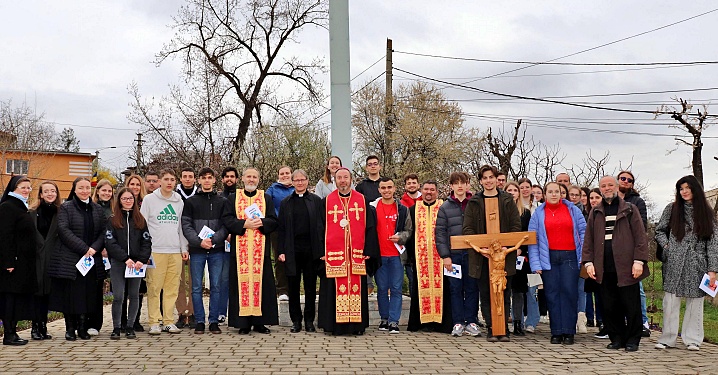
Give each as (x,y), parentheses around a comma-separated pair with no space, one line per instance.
(196,268)
(581,295)
(532,307)
(464,291)
(644,313)
(389,277)
(224,284)
(560,285)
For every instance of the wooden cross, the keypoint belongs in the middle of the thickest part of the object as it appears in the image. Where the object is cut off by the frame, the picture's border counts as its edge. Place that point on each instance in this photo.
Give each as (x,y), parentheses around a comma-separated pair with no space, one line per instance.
(491,245)
(335,212)
(356,209)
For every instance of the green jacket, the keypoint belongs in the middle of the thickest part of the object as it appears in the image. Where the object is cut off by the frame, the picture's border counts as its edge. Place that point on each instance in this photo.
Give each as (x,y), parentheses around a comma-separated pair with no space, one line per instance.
(475,223)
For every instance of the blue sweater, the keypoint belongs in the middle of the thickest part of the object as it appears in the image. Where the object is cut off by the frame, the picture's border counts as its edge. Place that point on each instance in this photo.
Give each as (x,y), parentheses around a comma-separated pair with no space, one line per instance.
(539,253)
(278,192)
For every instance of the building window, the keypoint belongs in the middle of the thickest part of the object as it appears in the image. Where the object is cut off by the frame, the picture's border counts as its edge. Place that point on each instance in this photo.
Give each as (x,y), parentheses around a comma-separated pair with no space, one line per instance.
(17,166)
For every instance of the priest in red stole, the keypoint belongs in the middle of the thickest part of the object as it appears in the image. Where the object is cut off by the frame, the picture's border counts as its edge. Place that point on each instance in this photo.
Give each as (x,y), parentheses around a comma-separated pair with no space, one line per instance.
(252,292)
(351,253)
(430,308)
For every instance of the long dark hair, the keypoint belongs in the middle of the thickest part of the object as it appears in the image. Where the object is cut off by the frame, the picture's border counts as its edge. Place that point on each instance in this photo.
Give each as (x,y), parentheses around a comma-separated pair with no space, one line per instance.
(117,217)
(703,216)
(327,178)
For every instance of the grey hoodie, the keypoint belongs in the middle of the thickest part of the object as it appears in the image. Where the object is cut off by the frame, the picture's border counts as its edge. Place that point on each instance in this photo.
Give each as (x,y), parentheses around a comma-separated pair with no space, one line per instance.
(164,220)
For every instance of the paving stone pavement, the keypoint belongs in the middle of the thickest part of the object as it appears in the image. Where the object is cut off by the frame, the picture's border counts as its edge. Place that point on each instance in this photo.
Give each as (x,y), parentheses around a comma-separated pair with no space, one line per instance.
(316,353)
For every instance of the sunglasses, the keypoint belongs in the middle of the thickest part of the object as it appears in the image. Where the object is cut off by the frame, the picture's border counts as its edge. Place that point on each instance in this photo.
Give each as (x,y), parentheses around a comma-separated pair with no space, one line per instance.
(627,179)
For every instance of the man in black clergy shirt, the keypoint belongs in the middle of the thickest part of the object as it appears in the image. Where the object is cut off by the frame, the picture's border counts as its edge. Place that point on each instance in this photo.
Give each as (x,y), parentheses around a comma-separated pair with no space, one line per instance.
(300,236)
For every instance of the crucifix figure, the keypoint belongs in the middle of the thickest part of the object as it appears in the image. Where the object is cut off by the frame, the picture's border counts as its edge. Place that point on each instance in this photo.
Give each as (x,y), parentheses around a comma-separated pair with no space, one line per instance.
(492,246)
(497,256)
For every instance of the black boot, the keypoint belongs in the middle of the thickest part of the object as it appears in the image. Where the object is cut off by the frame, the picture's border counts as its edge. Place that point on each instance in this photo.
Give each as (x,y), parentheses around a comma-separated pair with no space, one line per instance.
(82,327)
(10,337)
(43,330)
(70,327)
(518,330)
(35,332)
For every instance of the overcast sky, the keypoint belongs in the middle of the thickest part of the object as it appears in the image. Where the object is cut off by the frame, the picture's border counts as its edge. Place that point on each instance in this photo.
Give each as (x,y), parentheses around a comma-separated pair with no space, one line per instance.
(73,60)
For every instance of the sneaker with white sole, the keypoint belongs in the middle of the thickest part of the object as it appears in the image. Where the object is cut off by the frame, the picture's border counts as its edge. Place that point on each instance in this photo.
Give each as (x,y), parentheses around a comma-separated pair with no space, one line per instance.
(393,327)
(283,297)
(693,347)
(93,332)
(458,330)
(661,346)
(171,328)
(530,329)
(472,330)
(155,329)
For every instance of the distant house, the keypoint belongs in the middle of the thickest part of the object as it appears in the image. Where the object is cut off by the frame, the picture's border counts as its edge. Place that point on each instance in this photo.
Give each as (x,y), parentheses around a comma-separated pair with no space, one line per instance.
(58,166)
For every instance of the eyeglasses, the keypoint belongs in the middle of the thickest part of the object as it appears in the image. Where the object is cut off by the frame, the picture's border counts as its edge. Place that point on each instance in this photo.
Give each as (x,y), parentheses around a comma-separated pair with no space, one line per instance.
(127,199)
(300,180)
(627,179)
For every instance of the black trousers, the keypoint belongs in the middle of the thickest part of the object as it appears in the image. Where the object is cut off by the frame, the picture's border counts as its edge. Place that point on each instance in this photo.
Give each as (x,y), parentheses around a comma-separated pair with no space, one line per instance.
(485,295)
(305,270)
(621,310)
(41,308)
(94,319)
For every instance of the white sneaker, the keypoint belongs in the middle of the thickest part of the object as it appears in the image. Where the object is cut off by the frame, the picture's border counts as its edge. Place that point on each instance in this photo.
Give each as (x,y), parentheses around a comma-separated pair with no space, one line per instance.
(458,330)
(472,330)
(93,332)
(544,319)
(693,347)
(283,297)
(171,328)
(661,346)
(530,329)
(155,329)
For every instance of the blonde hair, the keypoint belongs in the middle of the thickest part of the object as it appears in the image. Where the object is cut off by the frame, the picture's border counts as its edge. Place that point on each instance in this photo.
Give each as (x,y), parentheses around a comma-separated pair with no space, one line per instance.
(519,205)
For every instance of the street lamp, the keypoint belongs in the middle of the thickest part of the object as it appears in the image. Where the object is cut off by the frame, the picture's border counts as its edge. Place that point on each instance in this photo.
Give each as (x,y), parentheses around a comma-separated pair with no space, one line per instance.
(138,163)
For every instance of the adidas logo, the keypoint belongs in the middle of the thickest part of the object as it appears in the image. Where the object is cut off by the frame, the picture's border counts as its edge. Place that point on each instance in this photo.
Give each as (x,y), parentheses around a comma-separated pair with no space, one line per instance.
(168,214)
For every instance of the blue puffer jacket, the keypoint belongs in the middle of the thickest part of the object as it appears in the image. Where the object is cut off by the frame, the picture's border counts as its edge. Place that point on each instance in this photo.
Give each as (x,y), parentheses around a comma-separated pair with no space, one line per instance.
(278,191)
(539,253)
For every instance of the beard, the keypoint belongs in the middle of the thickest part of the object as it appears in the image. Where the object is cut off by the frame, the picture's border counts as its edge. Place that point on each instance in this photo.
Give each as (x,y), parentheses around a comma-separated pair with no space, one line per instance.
(250,188)
(609,198)
(624,189)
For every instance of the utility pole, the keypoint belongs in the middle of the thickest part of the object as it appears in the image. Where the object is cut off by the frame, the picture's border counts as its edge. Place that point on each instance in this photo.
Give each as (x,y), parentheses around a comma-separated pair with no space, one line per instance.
(341,104)
(389,111)
(138,163)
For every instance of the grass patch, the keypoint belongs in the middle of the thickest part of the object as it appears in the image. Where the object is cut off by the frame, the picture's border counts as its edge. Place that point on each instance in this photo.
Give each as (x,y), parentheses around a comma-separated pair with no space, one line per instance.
(653,286)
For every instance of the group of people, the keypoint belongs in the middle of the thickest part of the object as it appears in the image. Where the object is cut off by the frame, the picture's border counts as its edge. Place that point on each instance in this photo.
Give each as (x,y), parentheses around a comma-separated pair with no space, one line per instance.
(353,239)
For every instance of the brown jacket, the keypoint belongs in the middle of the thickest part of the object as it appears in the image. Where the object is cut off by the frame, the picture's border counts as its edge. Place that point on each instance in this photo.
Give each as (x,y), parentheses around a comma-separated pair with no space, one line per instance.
(629,242)
(475,223)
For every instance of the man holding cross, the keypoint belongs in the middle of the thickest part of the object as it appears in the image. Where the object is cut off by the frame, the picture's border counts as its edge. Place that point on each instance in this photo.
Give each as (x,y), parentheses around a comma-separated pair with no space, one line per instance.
(477,222)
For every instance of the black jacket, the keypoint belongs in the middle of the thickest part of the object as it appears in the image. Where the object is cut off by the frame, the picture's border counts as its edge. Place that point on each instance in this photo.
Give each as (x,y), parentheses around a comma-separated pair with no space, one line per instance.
(45,247)
(205,208)
(17,248)
(448,223)
(635,198)
(370,190)
(128,242)
(71,246)
(285,229)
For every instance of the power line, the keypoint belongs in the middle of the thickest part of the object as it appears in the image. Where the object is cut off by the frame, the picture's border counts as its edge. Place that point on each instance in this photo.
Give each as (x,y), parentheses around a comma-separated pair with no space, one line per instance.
(551,62)
(602,45)
(370,66)
(541,99)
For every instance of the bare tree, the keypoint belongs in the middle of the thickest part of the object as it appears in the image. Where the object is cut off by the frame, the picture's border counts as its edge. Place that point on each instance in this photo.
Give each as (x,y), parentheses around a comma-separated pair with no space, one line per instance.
(590,170)
(242,41)
(503,146)
(692,123)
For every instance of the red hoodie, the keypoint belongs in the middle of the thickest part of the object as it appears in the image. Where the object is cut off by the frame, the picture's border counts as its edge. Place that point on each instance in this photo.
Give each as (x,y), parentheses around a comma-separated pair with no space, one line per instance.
(408,201)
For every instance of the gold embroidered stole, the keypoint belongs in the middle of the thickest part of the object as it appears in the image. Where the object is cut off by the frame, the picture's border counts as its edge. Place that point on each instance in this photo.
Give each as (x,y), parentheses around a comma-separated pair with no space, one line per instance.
(250,257)
(429,266)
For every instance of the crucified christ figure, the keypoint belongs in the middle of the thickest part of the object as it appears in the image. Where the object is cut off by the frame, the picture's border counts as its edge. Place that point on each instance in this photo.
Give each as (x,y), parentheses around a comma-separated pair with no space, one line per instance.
(497,275)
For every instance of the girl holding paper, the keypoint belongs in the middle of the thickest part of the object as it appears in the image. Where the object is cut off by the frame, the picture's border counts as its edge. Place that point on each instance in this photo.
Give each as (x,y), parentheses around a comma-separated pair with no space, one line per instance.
(17,258)
(129,247)
(81,234)
(519,283)
(687,233)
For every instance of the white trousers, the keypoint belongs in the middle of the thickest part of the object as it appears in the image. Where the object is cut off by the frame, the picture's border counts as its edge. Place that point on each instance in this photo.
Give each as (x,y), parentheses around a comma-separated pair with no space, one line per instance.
(692,330)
